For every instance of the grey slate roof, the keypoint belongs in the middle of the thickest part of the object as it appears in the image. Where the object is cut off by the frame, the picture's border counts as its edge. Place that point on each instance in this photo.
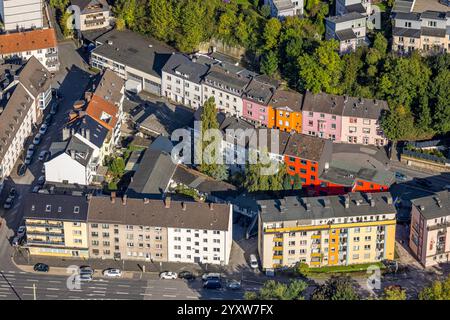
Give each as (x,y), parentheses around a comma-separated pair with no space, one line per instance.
(130,48)
(181,63)
(346,17)
(153,175)
(294,208)
(79,151)
(406,32)
(35,77)
(433,32)
(92,130)
(155,213)
(434,206)
(357,7)
(323,103)
(434,15)
(403,6)
(229,82)
(55,207)
(346,34)
(364,108)
(287,99)
(407,16)
(306,147)
(260,90)
(83,5)
(108,86)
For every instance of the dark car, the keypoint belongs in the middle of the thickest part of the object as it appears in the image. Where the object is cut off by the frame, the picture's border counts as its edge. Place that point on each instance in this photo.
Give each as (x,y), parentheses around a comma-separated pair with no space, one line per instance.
(12,193)
(21,170)
(41,267)
(212,284)
(400,176)
(186,275)
(48,119)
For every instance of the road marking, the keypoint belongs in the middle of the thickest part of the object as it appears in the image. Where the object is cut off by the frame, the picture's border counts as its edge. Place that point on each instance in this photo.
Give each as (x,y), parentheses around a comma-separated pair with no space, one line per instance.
(119,292)
(55,281)
(123,285)
(99,291)
(33,280)
(53,289)
(169,296)
(2,296)
(74,297)
(171,288)
(51,296)
(191,297)
(145,294)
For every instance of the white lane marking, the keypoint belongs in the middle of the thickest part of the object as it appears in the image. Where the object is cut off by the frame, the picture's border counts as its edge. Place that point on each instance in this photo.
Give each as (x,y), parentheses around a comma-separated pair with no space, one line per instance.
(53,289)
(99,292)
(191,297)
(74,297)
(55,281)
(2,296)
(171,288)
(216,298)
(123,285)
(119,292)
(33,280)
(51,296)
(145,294)
(169,296)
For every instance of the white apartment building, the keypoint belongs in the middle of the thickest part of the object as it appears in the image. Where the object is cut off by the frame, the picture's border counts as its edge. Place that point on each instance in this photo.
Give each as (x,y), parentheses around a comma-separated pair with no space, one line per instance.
(20,111)
(203,244)
(92,15)
(41,44)
(21,14)
(346,6)
(285,8)
(349,29)
(181,79)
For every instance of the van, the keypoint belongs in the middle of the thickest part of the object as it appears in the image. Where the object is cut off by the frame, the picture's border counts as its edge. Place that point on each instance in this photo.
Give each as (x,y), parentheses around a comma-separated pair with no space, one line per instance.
(253,261)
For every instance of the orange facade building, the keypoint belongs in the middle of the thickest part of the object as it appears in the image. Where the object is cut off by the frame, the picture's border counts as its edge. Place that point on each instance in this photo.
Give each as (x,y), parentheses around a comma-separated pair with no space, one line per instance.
(285,111)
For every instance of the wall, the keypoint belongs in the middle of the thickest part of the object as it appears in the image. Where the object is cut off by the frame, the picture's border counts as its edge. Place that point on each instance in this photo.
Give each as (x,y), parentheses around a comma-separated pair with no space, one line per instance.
(233,51)
(255,112)
(322,124)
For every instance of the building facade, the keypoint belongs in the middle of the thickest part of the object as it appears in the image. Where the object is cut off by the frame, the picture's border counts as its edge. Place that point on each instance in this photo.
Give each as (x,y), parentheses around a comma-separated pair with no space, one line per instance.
(56,225)
(285,111)
(430,228)
(326,231)
(22,14)
(256,99)
(39,43)
(285,8)
(349,29)
(93,14)
(346,6)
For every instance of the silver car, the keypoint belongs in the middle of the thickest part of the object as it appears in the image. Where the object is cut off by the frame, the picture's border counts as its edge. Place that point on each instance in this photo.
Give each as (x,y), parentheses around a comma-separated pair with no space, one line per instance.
(37,139)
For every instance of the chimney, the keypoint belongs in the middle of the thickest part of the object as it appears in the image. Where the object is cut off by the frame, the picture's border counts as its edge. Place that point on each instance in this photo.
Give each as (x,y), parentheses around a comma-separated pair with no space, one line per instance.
(72,154)
(124,199)
(389,199)
(113,197)
(372,203)
(211,206)
(146,201)
(88,134)
(183,205)
(167,202)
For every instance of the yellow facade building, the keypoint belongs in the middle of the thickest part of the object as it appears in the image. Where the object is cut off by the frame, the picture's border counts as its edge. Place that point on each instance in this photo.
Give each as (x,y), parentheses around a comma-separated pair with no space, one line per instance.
(326,231)
(56,225)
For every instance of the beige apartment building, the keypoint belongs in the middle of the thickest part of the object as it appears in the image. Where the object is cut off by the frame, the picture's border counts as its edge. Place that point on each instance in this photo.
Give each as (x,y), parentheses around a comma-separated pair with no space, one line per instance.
(430,227)
(56,225)
(326,231)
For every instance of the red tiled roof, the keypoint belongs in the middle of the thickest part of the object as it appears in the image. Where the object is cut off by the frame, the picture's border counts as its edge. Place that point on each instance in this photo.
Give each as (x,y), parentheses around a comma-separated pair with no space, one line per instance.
(98,106)
(27,41)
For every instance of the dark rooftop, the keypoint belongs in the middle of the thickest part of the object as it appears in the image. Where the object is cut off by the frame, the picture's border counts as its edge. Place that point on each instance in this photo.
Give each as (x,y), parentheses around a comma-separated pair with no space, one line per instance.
(434,206)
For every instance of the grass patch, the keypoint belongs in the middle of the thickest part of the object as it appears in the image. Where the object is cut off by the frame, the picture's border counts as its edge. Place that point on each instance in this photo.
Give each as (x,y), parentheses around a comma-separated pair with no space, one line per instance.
(345,269)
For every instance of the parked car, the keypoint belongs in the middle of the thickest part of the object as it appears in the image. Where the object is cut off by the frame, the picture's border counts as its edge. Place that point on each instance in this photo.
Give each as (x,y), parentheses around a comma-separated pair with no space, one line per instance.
(43,129)
(41,267)
(400,176)
(168,275)
(22,170)
(28,159)
(253,261)
(210,276)
(112,272)
(54,108)
(48,119)
(37,139)
(86,270)
(234,285)
(36,189)
(43,156)
(8,203)
(186,275)
(41,181)
(212,284)
(12,193)
(31,149)
(16,241)
(21,231)
(86,277)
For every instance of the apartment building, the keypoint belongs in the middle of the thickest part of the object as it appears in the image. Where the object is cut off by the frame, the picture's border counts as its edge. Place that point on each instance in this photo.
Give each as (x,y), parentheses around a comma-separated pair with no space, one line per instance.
(56,225)
(348,29)
(285,111)
(322,115)
(21,104)
(227,89)
(21,14)
(160,230)
(361,121)
(137,59)
(182,79)
(93,14)
(285,8)
(39,43)
(326,231)
(430,226)
(427,32)
(256,99)
(360,6)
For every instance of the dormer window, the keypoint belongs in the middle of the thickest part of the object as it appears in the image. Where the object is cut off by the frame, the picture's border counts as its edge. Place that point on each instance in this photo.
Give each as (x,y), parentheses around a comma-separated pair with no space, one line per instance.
(76,209)
(105,117)
(48,208)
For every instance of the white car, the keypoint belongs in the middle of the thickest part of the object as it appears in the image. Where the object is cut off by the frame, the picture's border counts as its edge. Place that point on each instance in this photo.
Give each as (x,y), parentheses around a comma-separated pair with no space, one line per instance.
(43,155)
(37,139)
(43,129)
(113,273)
(28,159)
(253,261)
(168,275)
(211,276)
(21,231)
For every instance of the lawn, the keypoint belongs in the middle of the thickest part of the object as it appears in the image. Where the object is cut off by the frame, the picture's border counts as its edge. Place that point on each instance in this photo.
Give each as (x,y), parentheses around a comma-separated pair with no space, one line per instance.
(345,269)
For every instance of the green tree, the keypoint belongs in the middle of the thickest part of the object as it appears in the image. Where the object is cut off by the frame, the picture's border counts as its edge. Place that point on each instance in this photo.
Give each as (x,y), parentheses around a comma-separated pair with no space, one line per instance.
(269,63)
(297,183)
(302,269)
(271,33)
(394,293)
(438,290)
(65,21)
(398,124)
(193,16)
(161,20)
(336,288)
(273,290)
(380,43)
(440,102)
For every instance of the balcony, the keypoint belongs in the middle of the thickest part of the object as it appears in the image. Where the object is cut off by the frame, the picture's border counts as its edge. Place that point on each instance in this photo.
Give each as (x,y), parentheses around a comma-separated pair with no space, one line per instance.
(45,225)
(44,242)
(439,226)
(315,236)
(277,239)
(278,248)
(45,233)
(51,55)
(277,257)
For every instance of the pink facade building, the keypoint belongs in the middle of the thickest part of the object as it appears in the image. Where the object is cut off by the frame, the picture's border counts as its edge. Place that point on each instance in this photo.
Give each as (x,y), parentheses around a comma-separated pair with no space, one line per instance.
(256,99)
(322,115)
(430,229)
